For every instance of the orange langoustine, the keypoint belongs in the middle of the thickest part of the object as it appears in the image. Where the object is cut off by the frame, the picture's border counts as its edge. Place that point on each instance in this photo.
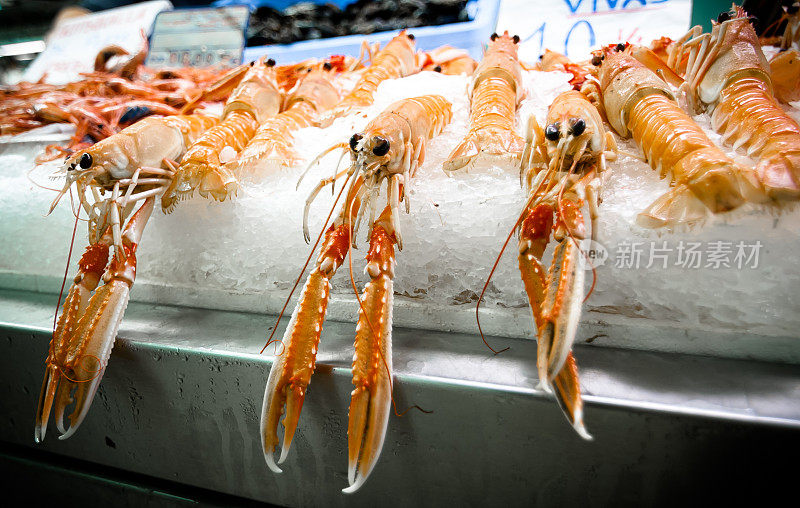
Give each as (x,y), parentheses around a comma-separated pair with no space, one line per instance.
(495,93)
(314,94)
(256,98)
(729,78)
(395,60)
(705,180)
(390,149)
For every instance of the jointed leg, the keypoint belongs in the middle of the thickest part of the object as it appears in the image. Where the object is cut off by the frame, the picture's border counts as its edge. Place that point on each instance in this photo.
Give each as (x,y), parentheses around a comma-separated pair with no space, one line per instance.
(85,334)
(370,402)
(291,371)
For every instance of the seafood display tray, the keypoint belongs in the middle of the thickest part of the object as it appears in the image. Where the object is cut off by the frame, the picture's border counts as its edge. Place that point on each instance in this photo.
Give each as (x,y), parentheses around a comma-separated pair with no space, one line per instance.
(470,35)
(244,254)
(176,419)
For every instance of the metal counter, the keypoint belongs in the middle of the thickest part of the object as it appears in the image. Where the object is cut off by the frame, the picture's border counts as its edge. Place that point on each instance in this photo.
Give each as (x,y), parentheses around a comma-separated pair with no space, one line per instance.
(180,403)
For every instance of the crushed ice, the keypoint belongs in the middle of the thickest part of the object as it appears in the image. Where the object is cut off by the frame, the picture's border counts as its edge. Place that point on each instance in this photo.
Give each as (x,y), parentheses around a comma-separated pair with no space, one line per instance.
(245,253)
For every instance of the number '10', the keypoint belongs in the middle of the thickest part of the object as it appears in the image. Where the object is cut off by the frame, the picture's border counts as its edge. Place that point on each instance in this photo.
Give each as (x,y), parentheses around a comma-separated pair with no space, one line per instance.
(574,29)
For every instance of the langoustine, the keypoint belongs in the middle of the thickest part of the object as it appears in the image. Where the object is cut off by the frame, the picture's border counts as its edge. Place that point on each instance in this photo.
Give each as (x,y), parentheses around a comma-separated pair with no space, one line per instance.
(640,105)
(135,166)
(256,98)
(448,60)
(553,61)
(728,76)
(495,93)
(102,102)
(390,149)
(314,94)
(562,168)
(395,60)
(289,75)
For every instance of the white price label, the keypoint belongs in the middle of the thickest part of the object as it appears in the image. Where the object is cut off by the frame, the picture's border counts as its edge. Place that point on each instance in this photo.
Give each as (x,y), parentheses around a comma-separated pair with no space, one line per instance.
(575,27)
(73,45)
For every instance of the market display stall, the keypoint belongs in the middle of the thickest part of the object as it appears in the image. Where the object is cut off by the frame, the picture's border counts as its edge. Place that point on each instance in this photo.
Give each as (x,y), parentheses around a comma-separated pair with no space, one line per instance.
(677,296)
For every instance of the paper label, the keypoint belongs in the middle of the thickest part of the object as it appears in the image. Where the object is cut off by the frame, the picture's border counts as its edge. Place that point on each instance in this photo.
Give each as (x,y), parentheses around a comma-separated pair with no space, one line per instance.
(73,45)
(575,27)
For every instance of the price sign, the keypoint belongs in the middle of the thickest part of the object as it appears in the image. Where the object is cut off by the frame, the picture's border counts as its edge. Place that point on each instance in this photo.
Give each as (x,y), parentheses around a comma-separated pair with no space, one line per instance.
(575,27)
(74,43)
(199,38)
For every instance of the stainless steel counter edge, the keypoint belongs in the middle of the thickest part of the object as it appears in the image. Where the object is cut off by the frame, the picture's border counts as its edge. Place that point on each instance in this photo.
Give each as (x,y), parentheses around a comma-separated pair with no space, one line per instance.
(181,399)
(605,327)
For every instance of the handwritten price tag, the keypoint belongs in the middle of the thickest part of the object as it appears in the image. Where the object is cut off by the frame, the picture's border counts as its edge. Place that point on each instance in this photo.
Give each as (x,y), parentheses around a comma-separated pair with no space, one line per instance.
(73,45)
(575,27)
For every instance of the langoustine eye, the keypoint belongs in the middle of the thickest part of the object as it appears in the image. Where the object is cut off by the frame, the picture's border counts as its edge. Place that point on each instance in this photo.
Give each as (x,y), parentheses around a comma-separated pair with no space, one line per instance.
(354,141)
(381,146)
(551,132)
(86,161)
(578,126)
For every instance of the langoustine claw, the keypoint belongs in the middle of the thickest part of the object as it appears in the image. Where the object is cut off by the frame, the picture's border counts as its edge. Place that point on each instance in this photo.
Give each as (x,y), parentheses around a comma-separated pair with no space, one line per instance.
(84,336)
(291,372)
(370,402)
